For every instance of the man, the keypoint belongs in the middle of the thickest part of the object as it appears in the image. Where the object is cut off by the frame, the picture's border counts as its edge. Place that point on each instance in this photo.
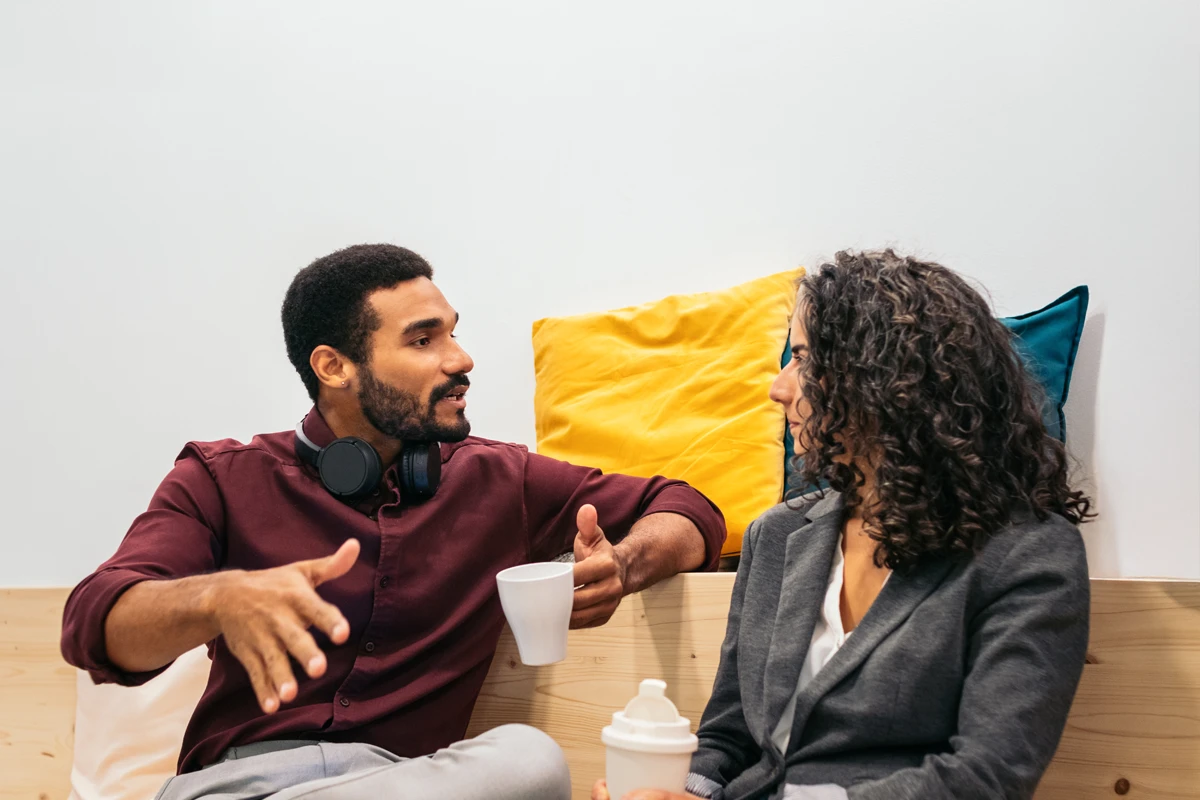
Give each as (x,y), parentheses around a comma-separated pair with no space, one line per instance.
(350,634)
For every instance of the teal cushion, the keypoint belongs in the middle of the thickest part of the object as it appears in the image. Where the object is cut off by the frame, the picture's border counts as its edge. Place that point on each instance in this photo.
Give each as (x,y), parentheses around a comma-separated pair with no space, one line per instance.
(1047,341)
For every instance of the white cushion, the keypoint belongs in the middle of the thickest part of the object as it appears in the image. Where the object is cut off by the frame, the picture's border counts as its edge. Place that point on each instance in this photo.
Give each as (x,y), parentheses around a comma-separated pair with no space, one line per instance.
(127,738)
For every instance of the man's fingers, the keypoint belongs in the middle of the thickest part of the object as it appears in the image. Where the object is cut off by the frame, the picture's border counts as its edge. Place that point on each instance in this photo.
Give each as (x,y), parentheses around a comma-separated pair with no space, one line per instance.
(263,690)
(593,616)
(590,619)
(332,567)
(303,648)
(596,594)
(593,570)
(600,791)
(584,619)
(279,671)
(325,616)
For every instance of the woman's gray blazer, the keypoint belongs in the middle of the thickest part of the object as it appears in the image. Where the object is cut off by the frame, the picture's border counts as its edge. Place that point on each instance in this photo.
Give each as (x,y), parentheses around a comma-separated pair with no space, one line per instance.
(956,683)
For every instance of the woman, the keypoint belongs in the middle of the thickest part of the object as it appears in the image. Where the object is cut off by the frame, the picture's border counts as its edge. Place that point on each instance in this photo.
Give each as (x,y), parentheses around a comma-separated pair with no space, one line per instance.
(919,629)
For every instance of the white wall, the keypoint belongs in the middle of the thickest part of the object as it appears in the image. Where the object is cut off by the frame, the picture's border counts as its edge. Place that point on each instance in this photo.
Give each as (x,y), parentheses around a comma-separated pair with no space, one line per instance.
(165,168)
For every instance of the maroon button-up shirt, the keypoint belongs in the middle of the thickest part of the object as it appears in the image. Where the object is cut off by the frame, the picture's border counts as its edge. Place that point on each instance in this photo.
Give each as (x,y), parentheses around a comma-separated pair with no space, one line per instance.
(421,601)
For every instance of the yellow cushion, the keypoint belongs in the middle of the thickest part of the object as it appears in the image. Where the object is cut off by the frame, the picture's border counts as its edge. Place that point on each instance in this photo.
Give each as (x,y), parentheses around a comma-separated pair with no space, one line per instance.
(675,388)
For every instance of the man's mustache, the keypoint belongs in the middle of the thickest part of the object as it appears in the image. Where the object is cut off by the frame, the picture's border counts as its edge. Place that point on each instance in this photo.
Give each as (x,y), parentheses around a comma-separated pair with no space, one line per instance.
(460,381)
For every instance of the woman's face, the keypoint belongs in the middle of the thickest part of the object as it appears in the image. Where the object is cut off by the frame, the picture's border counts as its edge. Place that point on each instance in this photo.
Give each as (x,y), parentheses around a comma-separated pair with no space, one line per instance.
(786,388)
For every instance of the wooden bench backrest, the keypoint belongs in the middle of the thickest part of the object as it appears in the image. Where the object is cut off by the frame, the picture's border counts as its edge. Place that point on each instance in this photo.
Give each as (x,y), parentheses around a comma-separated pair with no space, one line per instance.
(1134,727)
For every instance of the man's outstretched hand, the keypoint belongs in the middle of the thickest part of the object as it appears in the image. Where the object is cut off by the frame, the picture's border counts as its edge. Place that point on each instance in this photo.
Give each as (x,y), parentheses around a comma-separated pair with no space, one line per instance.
(265,615)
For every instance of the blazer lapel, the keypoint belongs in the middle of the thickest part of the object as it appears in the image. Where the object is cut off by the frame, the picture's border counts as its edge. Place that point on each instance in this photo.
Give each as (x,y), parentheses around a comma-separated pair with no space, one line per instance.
(896,601)
(807,561)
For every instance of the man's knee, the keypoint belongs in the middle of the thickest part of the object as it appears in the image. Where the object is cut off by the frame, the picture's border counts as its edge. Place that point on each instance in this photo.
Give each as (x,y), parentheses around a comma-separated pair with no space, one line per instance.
(537,758)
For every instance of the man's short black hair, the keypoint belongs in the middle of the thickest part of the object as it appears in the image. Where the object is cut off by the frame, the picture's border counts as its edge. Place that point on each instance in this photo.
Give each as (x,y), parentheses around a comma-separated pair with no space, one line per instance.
(327,302)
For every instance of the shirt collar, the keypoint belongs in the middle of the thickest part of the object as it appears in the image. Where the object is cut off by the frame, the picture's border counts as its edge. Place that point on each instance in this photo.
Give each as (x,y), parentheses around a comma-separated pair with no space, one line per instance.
(317,429)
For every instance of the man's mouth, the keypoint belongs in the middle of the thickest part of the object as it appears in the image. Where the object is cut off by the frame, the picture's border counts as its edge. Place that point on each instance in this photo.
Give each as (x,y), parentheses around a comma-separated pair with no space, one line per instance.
(457,398)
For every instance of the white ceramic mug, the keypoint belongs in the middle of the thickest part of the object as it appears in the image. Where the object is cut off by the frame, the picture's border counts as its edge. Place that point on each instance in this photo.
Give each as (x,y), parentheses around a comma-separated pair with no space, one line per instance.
(537,601)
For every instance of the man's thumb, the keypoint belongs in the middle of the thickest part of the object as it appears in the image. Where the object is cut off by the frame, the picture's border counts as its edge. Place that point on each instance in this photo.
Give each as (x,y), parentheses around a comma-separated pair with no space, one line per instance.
(587,522)
(335,566)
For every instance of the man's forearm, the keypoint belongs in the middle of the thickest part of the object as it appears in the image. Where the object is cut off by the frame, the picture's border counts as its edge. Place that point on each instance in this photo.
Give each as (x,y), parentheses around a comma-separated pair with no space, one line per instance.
(156,621)
(657,547)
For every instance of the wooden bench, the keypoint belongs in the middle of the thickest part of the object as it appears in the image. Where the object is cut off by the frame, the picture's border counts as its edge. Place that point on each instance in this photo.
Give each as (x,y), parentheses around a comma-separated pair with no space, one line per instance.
(1134,730)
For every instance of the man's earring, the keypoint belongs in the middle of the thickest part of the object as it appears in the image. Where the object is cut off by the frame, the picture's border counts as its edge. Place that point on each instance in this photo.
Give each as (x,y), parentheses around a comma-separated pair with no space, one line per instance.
(343,384)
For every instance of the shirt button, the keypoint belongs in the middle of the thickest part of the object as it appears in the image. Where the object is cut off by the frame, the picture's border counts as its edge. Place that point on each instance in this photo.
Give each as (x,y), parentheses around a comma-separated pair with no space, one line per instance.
(384,581)
(369,647)
(345,703)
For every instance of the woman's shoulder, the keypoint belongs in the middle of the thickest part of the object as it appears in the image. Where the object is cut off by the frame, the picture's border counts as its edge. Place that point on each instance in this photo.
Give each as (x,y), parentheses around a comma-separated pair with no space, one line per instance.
(789,516)
(1028,546)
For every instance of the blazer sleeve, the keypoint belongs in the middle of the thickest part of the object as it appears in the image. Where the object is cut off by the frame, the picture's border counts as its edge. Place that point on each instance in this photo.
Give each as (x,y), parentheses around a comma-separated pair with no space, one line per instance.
(727,747)
(1025,655)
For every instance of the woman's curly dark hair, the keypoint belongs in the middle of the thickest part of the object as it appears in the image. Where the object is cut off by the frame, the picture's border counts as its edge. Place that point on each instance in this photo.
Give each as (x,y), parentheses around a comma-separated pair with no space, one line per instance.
(907,367)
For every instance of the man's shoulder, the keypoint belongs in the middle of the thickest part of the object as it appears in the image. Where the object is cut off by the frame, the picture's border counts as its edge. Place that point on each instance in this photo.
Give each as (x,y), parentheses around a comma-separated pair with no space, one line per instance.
(279,446)
(477,446)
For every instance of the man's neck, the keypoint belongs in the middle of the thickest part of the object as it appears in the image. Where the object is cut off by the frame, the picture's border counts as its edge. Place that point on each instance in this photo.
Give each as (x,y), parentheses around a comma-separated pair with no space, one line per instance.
(350,421)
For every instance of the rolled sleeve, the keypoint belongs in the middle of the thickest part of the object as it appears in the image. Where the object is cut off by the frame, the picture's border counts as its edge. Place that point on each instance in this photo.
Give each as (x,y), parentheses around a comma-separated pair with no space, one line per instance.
(679,498)
(179,535)
(83,642)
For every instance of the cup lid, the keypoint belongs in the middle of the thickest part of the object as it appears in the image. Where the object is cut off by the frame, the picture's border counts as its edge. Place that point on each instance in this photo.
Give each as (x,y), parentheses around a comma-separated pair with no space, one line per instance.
(650,723)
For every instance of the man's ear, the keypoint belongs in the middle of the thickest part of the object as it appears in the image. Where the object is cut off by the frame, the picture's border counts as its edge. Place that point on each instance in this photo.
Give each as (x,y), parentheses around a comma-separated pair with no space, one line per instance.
(333,369)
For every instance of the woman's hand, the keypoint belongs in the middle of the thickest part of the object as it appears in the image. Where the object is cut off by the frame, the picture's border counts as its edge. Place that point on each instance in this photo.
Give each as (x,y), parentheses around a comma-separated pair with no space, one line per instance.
(600,792)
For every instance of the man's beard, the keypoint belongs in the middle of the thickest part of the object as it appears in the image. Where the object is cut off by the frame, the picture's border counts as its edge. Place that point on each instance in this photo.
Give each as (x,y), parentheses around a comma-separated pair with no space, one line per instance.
(397,413)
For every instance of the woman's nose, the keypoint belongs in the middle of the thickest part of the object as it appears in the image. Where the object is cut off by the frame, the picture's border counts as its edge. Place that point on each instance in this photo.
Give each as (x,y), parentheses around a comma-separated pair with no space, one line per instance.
(783,389)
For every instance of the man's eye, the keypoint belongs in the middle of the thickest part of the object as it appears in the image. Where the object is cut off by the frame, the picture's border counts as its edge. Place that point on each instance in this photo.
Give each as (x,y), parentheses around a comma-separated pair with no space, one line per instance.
(424,340)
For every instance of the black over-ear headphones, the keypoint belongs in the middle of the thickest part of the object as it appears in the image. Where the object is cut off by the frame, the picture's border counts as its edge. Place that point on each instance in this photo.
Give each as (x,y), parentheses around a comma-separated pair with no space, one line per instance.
(351,469)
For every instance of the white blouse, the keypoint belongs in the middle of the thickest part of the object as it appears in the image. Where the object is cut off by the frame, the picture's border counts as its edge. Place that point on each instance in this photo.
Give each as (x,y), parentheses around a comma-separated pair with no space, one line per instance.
(828,637)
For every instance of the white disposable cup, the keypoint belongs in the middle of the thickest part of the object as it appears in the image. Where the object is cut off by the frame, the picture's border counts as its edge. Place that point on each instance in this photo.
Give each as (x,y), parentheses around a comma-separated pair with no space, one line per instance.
(537,601)
(627,770)
(648,745)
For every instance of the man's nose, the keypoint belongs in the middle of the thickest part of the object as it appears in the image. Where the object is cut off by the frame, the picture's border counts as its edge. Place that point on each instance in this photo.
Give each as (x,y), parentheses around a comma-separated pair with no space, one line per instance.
(460,363)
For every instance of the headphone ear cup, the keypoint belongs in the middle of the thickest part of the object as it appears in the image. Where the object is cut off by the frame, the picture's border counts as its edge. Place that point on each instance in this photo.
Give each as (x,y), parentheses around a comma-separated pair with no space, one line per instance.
(420,469)
(350,468)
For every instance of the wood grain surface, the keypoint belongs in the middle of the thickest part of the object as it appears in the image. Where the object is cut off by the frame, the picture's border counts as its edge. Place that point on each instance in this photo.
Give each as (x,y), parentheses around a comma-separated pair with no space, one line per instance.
(1134,729)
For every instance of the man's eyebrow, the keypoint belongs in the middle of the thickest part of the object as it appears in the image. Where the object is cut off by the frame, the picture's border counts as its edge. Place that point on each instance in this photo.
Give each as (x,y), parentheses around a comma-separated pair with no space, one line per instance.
(432,323)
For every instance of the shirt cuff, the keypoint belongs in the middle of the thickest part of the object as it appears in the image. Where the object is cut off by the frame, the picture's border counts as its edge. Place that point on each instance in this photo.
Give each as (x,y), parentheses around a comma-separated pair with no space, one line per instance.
(701,786)
(83,642)
(685,501)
